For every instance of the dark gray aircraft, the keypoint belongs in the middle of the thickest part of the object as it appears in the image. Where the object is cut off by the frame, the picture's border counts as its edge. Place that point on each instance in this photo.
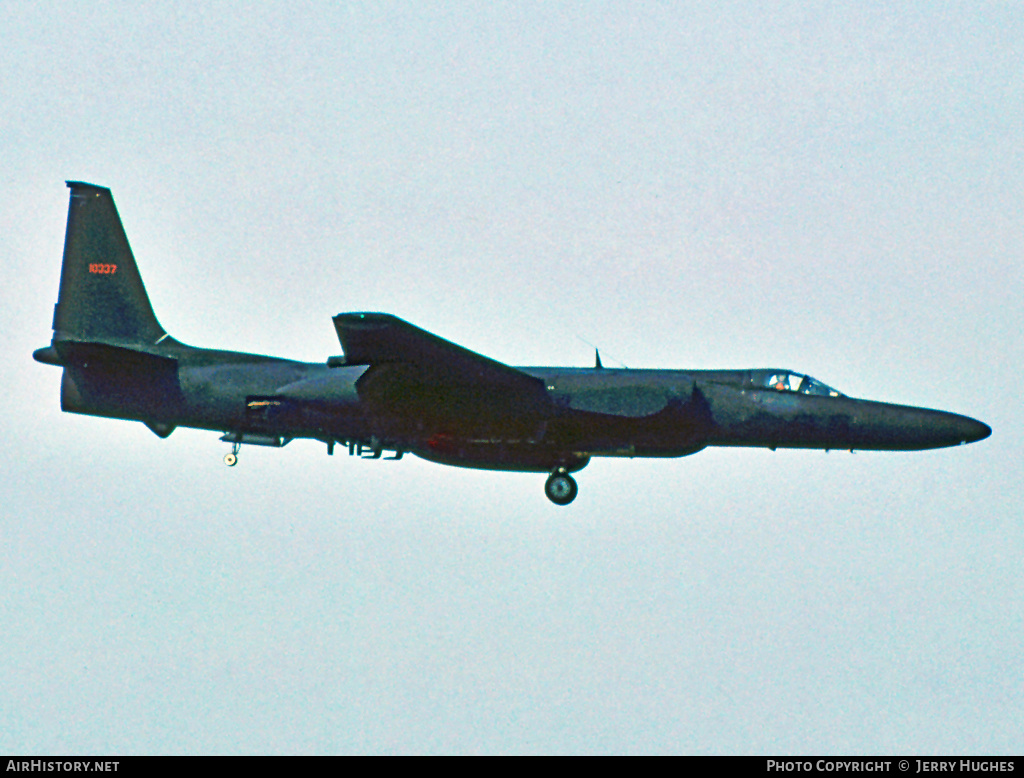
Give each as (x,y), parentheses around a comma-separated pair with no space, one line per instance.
(400,389)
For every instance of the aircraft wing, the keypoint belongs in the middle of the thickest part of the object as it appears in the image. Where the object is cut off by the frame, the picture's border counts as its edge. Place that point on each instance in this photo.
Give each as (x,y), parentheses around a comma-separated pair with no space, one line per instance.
(412,367)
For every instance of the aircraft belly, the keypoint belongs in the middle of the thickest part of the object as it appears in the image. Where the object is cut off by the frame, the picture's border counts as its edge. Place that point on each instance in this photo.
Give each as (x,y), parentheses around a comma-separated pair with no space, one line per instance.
(664,434)
(499,455)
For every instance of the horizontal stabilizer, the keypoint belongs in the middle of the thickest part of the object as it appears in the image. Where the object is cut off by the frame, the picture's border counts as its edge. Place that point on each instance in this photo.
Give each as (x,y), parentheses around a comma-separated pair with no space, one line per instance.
(108,380)
(73,353)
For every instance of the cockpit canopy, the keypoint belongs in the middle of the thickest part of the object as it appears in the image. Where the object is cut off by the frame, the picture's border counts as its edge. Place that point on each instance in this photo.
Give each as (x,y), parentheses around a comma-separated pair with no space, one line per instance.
(788,381)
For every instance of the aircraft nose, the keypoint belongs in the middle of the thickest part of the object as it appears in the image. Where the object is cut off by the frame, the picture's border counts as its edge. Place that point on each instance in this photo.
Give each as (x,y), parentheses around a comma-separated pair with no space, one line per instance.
(970,430)
(919,428)
(952,429)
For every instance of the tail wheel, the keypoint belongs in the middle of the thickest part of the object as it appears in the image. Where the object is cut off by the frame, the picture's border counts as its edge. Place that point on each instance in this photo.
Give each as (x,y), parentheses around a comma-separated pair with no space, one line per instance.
(561,488)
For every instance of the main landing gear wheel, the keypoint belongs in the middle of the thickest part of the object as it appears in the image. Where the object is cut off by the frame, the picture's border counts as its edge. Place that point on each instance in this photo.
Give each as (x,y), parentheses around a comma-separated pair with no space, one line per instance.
(232,459)
(561,487)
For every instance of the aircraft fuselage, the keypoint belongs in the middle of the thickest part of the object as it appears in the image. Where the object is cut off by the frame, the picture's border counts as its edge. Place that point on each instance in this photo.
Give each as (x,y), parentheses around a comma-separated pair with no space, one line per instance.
(593,412)
(400,389)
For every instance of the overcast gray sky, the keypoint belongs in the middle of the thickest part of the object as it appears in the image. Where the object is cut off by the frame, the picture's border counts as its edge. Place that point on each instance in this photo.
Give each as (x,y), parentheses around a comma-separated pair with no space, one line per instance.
(834,188)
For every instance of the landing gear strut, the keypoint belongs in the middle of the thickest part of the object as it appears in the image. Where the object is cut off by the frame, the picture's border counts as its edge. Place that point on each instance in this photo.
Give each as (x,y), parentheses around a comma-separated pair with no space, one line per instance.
(232,459)
(561,487)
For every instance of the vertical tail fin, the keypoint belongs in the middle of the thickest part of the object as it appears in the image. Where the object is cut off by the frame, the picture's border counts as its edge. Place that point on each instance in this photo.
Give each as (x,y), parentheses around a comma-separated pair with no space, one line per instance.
(101,297)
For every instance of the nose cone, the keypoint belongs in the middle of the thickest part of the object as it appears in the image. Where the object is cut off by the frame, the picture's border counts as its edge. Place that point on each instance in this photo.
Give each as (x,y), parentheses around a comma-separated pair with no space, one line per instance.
(938,429)
(971,430)
(902,428)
